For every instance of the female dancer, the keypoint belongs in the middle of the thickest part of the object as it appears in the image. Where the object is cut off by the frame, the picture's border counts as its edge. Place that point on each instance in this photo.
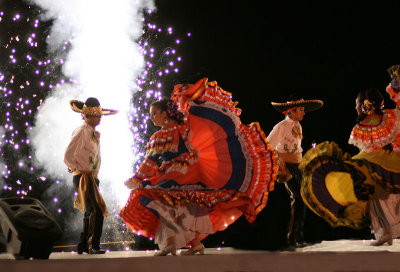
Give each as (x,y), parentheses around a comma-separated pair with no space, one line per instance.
(345,190)
(200,173)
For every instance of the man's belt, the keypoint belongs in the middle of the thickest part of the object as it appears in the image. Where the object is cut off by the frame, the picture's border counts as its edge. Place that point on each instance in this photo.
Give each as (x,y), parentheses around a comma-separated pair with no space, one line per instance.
(290,157)
(88,179)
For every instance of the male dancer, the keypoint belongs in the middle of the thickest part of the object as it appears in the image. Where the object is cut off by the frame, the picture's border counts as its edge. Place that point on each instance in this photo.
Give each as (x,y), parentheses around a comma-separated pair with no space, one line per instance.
(82,157)
(286,139)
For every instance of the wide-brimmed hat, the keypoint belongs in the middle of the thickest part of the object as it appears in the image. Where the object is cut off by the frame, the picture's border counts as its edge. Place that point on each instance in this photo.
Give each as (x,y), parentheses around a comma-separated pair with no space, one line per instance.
(309,105)
(90,108)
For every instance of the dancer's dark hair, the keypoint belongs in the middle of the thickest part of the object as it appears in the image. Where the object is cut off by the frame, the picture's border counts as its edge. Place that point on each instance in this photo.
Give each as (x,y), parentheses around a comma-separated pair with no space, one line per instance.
(371,101)
(171,108)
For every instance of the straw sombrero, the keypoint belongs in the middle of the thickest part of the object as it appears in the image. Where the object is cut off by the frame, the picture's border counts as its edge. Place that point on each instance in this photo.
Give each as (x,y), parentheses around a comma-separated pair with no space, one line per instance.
(90,108)
(309,105)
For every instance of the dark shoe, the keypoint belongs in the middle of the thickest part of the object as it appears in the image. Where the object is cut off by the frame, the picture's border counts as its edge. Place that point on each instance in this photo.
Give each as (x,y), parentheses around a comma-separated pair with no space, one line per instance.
(301,244)
(288,248)
(290,240)
(82,248)
(96,251)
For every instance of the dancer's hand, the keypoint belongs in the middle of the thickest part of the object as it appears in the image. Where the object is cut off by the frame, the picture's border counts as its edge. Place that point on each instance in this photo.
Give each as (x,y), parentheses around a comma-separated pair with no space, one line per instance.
(132,185)
(283,173)
(395,83)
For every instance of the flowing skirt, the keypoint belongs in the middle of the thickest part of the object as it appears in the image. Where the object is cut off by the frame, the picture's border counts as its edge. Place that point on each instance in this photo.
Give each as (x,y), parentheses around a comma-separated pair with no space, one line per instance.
(232,176)
(338,187)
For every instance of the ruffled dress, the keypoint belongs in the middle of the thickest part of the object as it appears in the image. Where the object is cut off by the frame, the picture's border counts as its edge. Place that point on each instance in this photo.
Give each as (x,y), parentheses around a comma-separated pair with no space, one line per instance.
(341,188)
(200,177)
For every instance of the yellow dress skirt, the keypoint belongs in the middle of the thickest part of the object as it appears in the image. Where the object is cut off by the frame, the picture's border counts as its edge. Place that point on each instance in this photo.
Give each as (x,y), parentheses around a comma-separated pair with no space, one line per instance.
(338,187)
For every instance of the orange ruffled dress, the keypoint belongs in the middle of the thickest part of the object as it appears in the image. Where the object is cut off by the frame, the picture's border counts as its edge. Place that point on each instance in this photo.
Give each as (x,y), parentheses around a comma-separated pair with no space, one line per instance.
(212,161)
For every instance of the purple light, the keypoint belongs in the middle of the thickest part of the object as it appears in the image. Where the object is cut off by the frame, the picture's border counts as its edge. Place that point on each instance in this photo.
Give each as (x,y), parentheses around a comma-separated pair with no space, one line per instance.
(24,74)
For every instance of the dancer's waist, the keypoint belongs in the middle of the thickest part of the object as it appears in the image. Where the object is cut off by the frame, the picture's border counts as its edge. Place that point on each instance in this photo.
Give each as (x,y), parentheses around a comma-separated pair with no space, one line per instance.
(290,157)
(89,173)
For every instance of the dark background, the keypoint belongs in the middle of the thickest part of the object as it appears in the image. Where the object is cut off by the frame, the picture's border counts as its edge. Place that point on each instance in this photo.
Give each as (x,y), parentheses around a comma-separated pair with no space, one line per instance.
(260,51)
(263,51)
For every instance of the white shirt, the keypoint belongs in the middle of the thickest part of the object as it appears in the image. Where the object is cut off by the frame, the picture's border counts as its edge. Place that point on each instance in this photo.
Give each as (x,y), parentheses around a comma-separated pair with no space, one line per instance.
(284,138)
(83,152)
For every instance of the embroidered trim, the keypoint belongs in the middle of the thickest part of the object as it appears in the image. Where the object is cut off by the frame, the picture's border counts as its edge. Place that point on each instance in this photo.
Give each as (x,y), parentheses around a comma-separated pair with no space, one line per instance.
(372,137)
(167,140)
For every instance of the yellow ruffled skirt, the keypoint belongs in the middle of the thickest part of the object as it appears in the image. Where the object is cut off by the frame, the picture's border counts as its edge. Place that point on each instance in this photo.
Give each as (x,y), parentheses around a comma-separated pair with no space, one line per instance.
(337,187)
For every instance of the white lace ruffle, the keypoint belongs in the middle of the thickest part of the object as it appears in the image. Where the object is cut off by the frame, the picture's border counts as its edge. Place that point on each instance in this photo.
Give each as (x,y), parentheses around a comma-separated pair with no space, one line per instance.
(374,144)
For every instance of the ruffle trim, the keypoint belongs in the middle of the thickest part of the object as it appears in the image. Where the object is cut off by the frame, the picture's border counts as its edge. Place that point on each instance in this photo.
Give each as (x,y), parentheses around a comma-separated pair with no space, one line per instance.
(261,160)
(264,168)
(373,137)
(144,222)
(365,175)
(324,149)
(147,168)
(181,163)
(396,144)
(214,93)
(394,95)
(167,139)
(327,157)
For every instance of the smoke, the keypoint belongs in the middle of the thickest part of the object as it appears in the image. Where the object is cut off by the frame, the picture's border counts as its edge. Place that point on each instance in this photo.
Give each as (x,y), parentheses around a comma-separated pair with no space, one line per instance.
(104,60)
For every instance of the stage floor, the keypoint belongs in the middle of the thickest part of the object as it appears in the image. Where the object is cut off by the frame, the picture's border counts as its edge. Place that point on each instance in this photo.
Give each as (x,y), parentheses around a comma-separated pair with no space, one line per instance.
(340,255)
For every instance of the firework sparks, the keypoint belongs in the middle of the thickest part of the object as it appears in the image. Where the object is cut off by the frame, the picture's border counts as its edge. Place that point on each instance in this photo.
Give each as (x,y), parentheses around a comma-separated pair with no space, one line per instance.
(36,84)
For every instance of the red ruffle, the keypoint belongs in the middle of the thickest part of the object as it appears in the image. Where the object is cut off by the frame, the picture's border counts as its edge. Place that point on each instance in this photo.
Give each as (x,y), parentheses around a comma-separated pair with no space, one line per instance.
(374,137)
(226,206)
(208,161)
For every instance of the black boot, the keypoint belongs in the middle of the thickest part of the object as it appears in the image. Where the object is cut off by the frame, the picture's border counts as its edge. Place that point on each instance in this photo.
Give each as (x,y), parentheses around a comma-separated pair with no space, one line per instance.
(299,236)
(96,251)
(83,245)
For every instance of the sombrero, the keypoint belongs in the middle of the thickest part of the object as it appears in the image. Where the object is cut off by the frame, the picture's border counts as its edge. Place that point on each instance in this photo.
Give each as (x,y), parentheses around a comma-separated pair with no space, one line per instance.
(90,108)
(309,105)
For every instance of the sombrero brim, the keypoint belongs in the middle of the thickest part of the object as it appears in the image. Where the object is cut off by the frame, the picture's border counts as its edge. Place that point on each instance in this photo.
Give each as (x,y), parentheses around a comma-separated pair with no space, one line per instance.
(309,105)
(77,106)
